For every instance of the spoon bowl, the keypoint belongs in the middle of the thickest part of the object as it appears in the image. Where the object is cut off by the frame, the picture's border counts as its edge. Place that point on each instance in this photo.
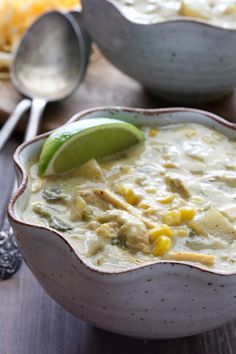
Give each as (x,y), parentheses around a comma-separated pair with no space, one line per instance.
(49,62)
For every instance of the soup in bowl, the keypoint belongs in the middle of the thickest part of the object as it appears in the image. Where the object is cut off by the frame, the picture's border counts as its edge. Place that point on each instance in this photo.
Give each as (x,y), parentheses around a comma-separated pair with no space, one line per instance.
(218,12)
(179,55)
(142,242)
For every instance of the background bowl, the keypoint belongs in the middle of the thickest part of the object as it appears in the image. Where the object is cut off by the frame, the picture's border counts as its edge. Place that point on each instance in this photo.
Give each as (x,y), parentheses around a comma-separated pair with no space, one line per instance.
(160,300)
(181,60)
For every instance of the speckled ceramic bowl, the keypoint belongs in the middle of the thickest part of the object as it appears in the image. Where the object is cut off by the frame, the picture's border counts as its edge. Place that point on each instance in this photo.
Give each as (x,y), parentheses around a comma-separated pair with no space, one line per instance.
(179,60)
(162,300)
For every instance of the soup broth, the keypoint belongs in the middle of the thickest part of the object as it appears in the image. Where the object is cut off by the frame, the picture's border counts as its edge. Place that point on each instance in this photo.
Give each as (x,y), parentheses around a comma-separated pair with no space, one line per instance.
(218,12)
(169,198)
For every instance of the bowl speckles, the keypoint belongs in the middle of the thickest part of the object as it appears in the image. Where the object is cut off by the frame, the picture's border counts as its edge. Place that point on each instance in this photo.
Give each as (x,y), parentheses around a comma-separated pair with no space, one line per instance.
(162,300)
(180,60)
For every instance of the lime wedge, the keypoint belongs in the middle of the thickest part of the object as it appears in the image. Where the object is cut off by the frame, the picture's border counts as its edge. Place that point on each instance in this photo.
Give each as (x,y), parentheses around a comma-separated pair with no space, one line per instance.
(75,143)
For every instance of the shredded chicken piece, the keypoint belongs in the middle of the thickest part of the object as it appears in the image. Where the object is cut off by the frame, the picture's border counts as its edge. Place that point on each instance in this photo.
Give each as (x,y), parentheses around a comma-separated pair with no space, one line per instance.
(118,203)
(92,199)
(112,199)
(229,179)
(119,216)
(131,229)
(108,230)
(135,235)
(176,185)
(93,225)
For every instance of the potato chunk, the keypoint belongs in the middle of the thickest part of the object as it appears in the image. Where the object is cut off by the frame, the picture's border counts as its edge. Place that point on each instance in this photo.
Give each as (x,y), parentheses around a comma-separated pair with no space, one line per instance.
(214,223)
(79,209)
(196,9)
(198,243)
(92,170)
(229,210)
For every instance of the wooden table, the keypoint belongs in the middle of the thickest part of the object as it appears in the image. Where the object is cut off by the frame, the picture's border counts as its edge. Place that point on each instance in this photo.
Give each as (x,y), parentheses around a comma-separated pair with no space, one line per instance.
(30,321)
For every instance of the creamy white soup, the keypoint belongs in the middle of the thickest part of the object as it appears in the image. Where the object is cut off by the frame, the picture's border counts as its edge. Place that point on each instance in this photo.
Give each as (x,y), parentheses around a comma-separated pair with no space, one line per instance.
(219,12)
(169,198)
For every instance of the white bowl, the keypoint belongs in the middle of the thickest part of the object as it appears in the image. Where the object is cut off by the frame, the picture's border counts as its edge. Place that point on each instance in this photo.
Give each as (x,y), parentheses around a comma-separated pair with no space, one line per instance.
(162,300)
(178,60)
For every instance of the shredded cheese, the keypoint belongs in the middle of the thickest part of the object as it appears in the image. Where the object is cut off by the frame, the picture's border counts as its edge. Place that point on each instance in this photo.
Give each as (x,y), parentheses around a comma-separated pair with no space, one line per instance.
(17,16)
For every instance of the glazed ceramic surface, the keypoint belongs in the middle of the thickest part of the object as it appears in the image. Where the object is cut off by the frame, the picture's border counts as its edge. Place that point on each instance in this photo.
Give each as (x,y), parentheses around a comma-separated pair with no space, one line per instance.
(179,60)
(162,300)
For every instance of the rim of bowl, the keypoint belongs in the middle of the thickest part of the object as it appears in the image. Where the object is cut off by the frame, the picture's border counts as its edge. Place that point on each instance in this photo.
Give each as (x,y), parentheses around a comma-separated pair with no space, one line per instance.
(24,180)
(157,23)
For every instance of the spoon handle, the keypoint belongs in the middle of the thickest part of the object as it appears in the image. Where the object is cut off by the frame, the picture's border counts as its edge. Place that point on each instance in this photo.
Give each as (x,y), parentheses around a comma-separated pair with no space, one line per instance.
(10,256)
(38,106)
(8,128)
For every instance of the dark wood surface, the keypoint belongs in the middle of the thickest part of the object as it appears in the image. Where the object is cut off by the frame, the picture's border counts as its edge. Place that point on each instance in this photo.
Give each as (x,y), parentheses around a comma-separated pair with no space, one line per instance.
(30,321)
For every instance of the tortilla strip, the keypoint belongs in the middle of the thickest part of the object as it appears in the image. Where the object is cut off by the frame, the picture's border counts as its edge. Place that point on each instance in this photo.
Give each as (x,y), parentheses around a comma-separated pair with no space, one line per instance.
(205,259)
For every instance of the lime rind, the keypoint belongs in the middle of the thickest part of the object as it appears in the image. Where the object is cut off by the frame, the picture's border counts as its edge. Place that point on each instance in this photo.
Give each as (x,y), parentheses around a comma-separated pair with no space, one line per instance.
(105,141)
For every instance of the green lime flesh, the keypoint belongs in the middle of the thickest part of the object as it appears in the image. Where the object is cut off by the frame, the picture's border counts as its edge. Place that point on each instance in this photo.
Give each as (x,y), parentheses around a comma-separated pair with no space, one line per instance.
(76,143)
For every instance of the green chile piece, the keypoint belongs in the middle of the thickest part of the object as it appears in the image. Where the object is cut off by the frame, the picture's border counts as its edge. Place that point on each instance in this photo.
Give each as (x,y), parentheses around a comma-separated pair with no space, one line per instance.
(53,221)
(54,194)
(59,225)
(42,211)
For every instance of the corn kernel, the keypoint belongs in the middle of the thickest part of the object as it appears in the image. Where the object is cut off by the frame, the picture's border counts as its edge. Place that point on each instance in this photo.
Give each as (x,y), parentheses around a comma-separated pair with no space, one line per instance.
(161,246)
(187,214)
(229,10)
(172,218)
(208,140)
(157,232)
(130,196)
(150,190)
(122,189)
(197,199)
(166,199)
(124,169)
(150,211)
(152,133)
(143,205)
(182,232)
(169,164)
(190,133)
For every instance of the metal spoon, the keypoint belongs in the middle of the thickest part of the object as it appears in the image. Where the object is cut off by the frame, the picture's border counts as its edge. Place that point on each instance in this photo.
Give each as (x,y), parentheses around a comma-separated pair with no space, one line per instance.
(48,66)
